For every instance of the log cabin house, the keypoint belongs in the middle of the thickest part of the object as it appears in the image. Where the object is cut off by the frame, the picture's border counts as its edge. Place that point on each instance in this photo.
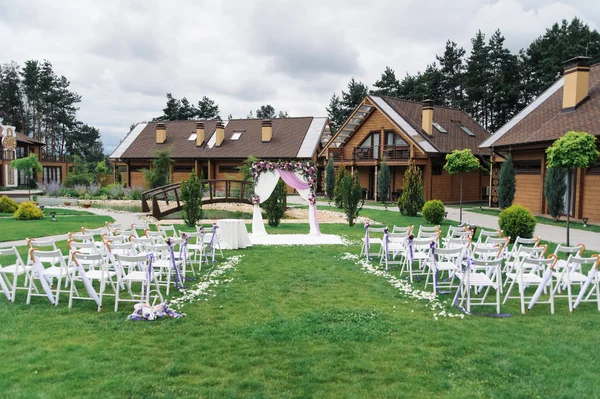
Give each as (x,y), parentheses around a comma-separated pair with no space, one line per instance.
(571,103)
(14,145)
(215,149)
(396,131)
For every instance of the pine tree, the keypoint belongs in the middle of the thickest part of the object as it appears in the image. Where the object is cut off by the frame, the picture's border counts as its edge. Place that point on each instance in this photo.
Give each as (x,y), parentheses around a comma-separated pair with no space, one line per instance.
(387,85)
(266,112)
(160,174)
(383,183)
(555,188)
(507,183)
(208,109)
(352,196)
(337,191)
(335,112)
(452,69)
(330,179)
(413,196)
(477,79)
(192,192)
(274,206)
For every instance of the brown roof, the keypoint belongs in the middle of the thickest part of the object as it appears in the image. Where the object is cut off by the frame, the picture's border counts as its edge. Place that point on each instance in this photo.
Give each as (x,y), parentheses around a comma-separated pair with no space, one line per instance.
(26,139)
(288,135)
(546,122)
(449,118)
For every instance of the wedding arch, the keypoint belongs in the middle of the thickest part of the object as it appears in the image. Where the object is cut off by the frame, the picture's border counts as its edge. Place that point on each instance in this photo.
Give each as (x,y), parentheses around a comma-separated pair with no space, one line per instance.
(300,175)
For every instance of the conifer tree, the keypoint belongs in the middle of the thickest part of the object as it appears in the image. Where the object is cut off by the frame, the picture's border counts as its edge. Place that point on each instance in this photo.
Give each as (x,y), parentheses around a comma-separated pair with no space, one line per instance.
(387,85)
(555,188)
(383,183)
(413,196)
(337,191)
(507,183)
(330,179)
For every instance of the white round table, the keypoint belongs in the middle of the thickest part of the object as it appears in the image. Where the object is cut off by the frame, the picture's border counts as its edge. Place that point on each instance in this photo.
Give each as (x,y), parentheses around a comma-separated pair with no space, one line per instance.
(233,234)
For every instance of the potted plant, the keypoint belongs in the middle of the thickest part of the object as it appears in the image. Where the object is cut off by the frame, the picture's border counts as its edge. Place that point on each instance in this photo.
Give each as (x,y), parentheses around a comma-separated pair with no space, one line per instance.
(67,203)
(87,204)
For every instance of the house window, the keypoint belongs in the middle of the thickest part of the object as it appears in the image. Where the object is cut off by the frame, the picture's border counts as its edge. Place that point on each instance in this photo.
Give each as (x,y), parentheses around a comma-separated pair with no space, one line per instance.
(52,173)
(439,128)
(371,141)
(137,168)
(528,167)
(183,169)
(392,138)
(437,169)
(236,135)
(466,130)
(595,169)
(228,169)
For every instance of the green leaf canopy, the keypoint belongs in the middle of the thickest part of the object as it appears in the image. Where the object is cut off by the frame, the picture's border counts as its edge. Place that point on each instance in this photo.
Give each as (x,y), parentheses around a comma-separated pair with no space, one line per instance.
(573,150)
(461,161)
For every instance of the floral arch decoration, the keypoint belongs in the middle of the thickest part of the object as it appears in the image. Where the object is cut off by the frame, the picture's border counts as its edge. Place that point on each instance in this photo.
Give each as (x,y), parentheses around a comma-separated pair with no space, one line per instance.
(300,175)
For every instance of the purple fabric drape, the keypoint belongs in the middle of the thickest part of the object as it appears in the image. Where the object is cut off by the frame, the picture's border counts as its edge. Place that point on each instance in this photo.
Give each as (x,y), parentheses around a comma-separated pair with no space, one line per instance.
(292,180)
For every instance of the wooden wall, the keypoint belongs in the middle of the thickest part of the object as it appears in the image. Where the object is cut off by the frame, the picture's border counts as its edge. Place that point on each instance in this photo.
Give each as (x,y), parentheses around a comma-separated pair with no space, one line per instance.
(373,123)
(591,197)
(528,192)
(446,187)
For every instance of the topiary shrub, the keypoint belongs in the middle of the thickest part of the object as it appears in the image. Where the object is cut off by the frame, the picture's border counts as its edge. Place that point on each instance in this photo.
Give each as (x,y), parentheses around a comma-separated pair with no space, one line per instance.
(7,205)
(28,211)
(517,221)
(413,196)
(433,211)
(274,206)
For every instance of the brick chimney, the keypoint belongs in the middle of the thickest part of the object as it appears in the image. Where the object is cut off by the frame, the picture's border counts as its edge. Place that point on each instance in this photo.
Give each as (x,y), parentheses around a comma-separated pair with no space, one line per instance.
(161,133)
(427,117)
(220,134)
(267,130)
(199,133)
(576,82)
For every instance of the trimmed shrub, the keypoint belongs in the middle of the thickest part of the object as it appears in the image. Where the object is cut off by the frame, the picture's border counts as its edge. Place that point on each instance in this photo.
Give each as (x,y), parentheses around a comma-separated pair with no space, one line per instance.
(383,183)
(433,211)
(330,179)
(413,196)
(337,190)
(351,197)
(517,221)
(507,183)
(7,205)
(28,211)
(192,192)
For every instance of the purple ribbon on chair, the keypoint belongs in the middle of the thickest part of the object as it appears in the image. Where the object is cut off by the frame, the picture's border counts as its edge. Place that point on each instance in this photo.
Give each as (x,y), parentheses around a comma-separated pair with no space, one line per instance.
(435,271)
(409,243)
(149,272)
(174,264)
(386,241)
(367,242)
(212,239)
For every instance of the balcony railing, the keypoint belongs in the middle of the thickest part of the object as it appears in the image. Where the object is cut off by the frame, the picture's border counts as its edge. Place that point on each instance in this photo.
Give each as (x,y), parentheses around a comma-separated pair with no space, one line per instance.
(388,153)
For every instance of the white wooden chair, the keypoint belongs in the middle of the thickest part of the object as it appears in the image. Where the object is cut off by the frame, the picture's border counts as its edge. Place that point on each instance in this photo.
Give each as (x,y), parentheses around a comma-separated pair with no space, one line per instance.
(485,234)
(373,241)
(570,274)
(590,292)
(402,229)
(428,230)
(521,243)
(167,230)
(93,267)
(196,249)
(16,270)
(213,244)
(421,252)
(443,260)
(477,274)
(162,264)
(529,272)
(53,267)
(522,253)
(140,271)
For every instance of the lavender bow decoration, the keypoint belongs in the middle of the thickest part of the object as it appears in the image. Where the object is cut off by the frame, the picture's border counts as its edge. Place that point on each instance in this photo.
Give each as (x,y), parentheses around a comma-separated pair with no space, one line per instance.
(409,244)
(386,242)
(367,243)
(174,264)
(212,240)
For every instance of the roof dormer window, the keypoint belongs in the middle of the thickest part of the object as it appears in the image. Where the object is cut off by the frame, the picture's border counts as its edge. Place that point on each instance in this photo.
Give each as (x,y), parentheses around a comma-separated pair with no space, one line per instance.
(236,135)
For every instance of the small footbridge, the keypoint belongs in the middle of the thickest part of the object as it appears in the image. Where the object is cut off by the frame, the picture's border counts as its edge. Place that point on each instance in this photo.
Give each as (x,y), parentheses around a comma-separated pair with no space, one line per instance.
(165,200)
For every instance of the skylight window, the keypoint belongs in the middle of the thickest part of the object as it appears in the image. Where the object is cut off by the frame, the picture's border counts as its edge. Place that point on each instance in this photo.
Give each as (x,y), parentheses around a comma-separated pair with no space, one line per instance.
(467,131)
(439,128)
(192,137)
(236,135)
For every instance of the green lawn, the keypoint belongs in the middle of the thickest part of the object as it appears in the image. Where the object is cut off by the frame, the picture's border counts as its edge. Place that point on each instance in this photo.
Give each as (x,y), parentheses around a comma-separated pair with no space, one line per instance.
(298,322)
(67,220)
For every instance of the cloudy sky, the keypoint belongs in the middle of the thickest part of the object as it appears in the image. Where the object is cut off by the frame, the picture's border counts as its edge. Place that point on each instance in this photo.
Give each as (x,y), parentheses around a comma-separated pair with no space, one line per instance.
(123,56)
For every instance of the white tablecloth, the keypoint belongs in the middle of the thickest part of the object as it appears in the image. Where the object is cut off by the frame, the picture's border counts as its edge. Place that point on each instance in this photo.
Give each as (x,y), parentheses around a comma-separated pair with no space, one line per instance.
(233,234)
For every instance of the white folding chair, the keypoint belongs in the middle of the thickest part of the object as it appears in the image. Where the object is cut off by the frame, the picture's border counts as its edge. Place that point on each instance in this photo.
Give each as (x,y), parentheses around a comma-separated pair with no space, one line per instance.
(396,246)
(402,229)
(524,252)
(373,241)
(53,267)
(45,244)
(452,230)
(91,267)
(167,230)
(16,269)
(485,234)
(521,243)
(477,274)
(529,272)
(212,240)
(592,285)
(196,249)
(140,271)
(418,250)
(157,237)
(566,252)
(443,260)
(427,229)
(163,265)
(571,273)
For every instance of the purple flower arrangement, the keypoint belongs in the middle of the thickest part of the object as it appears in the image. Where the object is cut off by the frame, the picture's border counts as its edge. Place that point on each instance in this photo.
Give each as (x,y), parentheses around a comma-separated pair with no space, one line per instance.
(255,199)
(307,168)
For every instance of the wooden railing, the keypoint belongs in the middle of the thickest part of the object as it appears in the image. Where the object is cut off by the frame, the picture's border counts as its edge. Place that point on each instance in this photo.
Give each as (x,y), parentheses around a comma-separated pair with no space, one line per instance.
(388,153)
(166,199)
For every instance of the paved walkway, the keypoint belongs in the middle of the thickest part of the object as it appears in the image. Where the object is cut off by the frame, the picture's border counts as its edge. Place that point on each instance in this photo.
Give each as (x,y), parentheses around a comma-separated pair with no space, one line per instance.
(556,234)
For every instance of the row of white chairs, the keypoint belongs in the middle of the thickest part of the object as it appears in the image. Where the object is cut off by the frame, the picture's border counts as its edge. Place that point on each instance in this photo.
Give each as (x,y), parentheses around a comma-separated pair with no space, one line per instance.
(474,269)
(113,258)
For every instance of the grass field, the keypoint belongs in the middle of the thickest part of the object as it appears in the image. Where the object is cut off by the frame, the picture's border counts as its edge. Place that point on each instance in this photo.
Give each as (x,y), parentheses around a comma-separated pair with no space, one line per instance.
(298,322)
(66,220)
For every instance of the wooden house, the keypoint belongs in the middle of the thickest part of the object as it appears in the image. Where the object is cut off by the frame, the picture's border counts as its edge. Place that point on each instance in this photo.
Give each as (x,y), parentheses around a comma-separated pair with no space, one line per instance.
(571,103)
(397,131)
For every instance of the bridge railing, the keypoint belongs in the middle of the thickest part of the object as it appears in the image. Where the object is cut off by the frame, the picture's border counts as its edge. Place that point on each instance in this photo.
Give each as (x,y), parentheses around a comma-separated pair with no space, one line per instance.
(215,191)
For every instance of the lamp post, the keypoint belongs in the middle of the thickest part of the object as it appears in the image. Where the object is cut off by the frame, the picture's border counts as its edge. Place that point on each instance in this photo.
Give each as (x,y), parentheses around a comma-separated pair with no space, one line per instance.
(53,215)
(585,220)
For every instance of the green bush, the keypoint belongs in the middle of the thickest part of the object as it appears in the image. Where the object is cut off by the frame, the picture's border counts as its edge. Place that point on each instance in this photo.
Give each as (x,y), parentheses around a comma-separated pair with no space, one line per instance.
(351,193)
(28,211)
(433,211)
(7,205)
(413,196)
(275,207)
(337,190)
(517,221)
(192,192)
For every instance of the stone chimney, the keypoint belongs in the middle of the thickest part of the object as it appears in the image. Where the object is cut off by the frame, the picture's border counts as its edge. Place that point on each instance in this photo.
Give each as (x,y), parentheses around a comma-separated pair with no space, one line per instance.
(199,133)
(576,82)
(267,130)
(220,134)
(161,133)
(427,117)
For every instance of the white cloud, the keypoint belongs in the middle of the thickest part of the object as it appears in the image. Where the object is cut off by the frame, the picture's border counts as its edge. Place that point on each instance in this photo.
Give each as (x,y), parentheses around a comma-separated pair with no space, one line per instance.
(122,57)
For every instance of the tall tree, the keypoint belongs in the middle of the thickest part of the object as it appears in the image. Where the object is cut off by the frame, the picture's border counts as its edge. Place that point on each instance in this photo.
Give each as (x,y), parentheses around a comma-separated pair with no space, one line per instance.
(187,110)
(507,183)
(335,112)
(357,91)
(10,97)
(387,85)
(452,68)
(172,110)
(477,77)
(265,112)
(208,109)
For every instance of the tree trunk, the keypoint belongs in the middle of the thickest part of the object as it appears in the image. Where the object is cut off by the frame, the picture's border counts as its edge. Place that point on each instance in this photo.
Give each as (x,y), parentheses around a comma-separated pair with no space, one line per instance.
(568,202)
(460,221)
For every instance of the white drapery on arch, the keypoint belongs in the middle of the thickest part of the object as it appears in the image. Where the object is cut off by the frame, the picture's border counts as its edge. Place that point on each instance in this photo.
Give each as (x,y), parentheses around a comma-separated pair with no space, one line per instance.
(263,188)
